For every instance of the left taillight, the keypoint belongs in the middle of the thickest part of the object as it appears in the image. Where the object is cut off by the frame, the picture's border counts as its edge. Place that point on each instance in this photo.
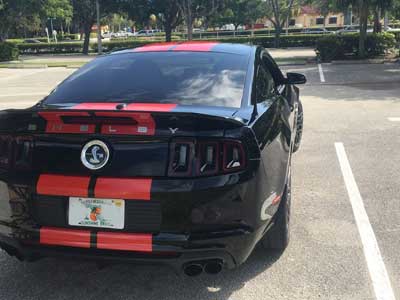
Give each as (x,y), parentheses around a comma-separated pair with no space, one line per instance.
(5,150)
(23,152)
(192,158)
(15,152)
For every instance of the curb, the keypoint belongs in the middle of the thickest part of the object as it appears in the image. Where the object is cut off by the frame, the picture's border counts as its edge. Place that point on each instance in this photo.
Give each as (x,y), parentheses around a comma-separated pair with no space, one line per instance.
(363,61)
(39,66)
(23,66)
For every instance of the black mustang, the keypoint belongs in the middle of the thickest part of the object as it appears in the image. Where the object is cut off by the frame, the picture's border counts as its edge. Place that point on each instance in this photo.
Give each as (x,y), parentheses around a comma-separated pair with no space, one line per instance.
(175,153)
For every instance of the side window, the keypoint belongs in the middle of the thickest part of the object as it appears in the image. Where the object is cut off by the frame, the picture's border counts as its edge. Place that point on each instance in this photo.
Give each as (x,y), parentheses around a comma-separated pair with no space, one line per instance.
(264,85)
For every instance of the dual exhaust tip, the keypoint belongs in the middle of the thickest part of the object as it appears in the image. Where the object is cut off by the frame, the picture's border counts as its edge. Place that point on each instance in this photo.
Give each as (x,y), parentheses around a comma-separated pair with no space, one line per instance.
(196,268)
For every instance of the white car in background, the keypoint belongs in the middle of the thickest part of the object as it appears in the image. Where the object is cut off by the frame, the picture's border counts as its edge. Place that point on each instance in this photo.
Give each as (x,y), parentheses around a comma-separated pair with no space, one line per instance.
(352,28)
(145,32)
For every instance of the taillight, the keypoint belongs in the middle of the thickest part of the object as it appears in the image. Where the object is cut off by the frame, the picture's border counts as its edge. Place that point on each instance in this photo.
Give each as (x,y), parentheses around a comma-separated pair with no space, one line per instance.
(5,150)
(233,156)
(23,152)
(15,152)
(181,158)
(208,157)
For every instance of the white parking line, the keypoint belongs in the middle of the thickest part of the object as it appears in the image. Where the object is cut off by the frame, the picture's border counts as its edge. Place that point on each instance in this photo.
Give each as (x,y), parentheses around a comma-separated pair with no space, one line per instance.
(377,270)
(321,73)
(394,119)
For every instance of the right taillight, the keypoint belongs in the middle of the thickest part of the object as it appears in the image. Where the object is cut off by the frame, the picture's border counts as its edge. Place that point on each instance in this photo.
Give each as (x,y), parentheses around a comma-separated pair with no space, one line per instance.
(192,158)
(233,156)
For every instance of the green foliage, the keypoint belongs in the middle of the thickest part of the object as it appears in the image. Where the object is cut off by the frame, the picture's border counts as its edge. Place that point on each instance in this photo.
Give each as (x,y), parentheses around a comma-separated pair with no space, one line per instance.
(300,40)
(73,37)
(340,46)
(18,16)
(45,48)
(58,9)
(8,51)
(265,41)
(121,44)
(241,12)
(330,47)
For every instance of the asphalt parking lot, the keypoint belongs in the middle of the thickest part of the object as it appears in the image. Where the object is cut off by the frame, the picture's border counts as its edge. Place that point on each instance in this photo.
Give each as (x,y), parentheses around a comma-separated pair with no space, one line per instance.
(356,106)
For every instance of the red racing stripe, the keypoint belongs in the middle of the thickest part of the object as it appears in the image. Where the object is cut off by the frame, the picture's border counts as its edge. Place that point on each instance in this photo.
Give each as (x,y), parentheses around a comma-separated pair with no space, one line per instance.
(95,106)
(65,237)
(195,46)
(156,47)
(123,188)
(56,125)
(147,107)
(151,107)
(59,185)
(125,241)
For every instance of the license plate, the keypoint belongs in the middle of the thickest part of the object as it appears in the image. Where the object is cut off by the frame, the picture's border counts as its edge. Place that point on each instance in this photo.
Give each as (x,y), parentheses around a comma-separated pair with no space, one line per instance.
(93,212)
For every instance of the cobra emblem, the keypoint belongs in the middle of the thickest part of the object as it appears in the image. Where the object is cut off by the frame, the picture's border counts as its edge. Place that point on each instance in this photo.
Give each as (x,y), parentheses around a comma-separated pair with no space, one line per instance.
(94,159)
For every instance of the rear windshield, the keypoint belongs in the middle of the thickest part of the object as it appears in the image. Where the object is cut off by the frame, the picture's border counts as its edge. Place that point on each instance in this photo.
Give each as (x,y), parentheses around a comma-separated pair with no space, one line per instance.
(189,78)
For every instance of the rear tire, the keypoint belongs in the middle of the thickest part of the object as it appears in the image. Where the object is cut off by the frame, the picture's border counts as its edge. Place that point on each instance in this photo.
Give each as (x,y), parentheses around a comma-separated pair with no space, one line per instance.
(277,237)
(299,128)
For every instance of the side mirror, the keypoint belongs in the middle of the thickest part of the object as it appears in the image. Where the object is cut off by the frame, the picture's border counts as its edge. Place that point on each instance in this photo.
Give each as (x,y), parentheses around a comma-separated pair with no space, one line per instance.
(295,78)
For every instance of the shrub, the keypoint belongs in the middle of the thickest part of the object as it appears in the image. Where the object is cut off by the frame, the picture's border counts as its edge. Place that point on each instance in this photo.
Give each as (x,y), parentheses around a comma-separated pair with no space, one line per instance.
(265,41)
(72,36)
(330,47)
(46,48)
(339,46)
(15,41)
(8,51)
(115,45)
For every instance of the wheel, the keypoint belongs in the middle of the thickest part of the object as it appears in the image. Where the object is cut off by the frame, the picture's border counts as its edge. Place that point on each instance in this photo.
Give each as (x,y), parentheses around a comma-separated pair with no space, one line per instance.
(277,237)
(299,128)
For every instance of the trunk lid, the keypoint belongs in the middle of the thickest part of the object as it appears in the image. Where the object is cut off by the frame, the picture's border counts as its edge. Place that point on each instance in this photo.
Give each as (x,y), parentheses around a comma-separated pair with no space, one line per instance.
(50,140)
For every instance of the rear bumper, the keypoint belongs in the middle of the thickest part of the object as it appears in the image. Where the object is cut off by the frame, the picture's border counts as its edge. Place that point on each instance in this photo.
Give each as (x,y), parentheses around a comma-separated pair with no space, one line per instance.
(191,220)
(231,247)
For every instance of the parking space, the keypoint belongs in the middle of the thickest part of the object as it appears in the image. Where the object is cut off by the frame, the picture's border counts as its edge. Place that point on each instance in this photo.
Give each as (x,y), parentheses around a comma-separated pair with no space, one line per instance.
(325,259)
(20,88)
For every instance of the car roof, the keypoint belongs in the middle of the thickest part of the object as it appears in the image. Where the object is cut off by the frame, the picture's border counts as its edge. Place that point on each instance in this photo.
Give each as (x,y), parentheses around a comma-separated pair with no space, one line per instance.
(193,46)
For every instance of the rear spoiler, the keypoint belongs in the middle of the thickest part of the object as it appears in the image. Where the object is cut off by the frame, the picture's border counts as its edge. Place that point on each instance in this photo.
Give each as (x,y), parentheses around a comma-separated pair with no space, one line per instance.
(66,121)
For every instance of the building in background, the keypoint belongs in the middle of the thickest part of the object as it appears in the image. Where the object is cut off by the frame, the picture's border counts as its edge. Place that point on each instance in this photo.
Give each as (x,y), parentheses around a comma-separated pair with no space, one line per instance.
(308,16)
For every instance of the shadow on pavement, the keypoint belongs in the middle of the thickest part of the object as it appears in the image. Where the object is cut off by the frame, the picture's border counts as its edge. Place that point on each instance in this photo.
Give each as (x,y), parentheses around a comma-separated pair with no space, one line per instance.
(58,279)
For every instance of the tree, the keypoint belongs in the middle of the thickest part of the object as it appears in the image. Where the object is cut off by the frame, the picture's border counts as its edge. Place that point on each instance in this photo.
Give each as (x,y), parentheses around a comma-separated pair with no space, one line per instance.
(85,15)
(60,10)
(364,8)
(13,13)
(192,9)
(169,14)
(139,10)
(278,12)
(379,7)
(395,12)
(241,12)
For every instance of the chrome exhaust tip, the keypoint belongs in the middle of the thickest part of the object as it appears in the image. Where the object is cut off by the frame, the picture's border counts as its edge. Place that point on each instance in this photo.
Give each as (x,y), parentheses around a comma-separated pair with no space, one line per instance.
(213,267)
(193,269)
